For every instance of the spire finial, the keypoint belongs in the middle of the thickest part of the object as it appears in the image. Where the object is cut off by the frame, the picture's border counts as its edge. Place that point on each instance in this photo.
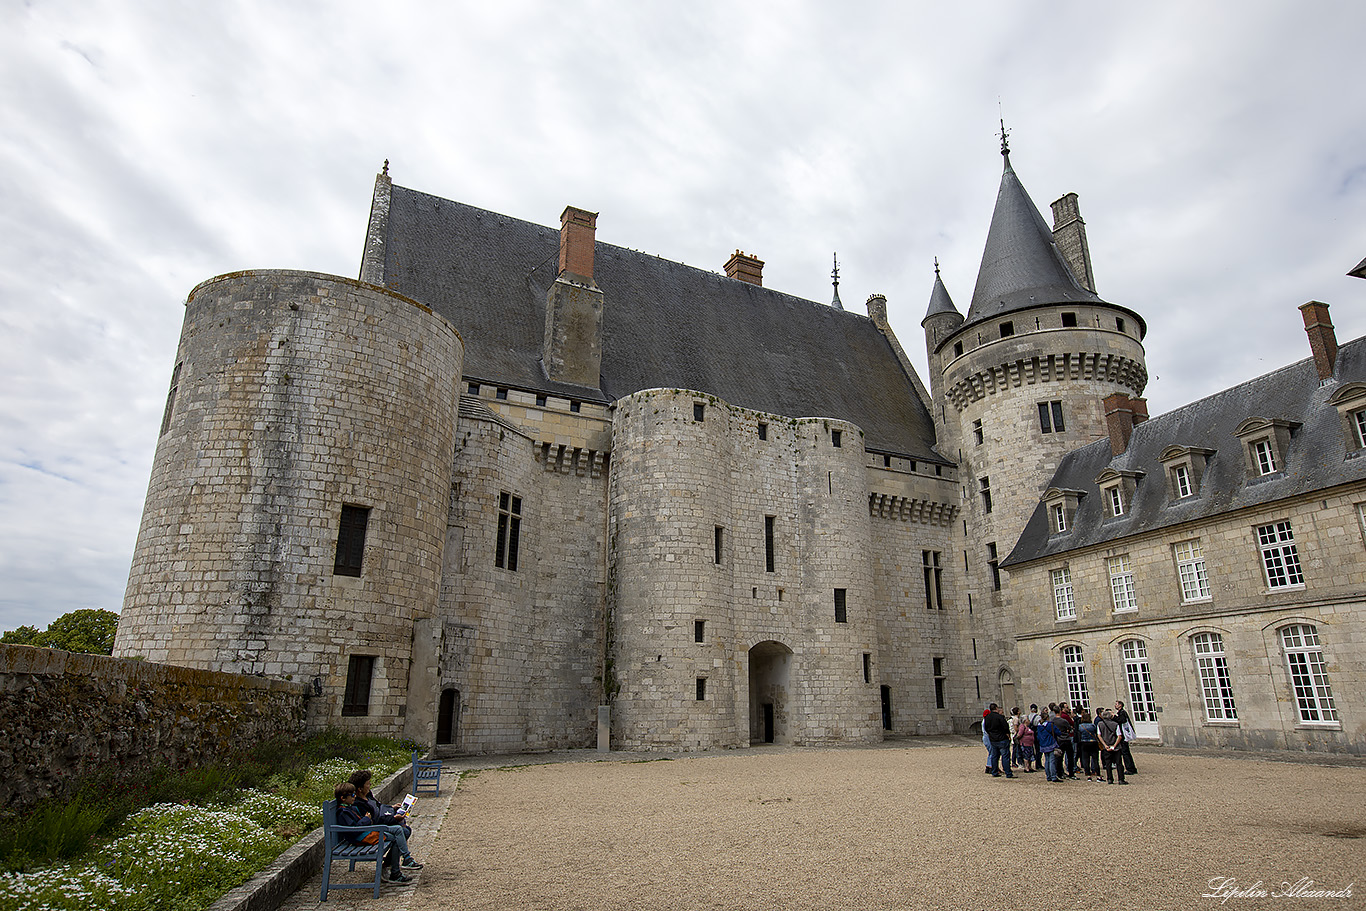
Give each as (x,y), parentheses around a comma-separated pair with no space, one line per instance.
(835,277)
(386,167)
(1005,140)
(936,267)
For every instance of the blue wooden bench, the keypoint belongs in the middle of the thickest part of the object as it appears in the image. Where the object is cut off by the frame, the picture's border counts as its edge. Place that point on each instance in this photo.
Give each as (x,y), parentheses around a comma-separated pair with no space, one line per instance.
(426,775)
(335,849)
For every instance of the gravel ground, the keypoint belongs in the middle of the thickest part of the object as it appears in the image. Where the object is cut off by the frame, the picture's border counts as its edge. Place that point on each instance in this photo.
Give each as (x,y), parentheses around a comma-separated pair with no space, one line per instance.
(909,825)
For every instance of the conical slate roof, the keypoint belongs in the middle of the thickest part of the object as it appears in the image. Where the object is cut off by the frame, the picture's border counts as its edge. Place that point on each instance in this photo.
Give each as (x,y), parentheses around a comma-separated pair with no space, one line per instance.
(940,302)
(1021,267)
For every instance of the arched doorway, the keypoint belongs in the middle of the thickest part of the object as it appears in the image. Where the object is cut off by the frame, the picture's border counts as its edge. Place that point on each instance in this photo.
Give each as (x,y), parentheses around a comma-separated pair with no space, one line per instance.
(448,717)
(770,667)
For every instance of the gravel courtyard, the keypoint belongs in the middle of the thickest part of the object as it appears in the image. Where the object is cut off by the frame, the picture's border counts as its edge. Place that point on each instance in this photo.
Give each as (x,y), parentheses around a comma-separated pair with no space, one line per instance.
(914,824)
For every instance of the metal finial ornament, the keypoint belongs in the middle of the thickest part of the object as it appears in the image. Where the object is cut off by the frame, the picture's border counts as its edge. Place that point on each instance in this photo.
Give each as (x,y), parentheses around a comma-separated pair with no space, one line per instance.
(1005,139)
(936,267)
(835,277)
(386,167)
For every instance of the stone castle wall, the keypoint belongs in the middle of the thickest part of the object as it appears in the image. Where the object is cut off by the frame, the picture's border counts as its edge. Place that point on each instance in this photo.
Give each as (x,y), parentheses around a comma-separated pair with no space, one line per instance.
(69,716)
(677,478)
(295,394)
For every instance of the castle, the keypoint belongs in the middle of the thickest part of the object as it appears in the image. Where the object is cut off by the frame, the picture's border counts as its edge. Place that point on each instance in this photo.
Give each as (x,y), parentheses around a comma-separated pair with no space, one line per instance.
(517,489)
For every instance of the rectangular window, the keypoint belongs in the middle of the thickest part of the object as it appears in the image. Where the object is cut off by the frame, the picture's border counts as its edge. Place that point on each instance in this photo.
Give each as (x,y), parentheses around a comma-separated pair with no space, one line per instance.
(509,531)
(1116,499)
(867,668)
(939,683)
(351,540)
(934,581)
(1007,329)
(718,543)
(986,493)
(1308,674)
(957,352)
(1181,480)
(841,613)
(170,398)
(1122,584)
(356,698)
(540,401)
(886,461)
(836,438)
(977,434)
(501,393)
(1062,594)
(1264,457)
(1358,425)
(1119,323)
(994,562)
(768,543)
(701,688)
(1059,518)
(1050,417)
(763,431)
(1069,320)
(1215,683)
(474,388)
(699,411)
(1279,556)
(1190,569)
(575,407)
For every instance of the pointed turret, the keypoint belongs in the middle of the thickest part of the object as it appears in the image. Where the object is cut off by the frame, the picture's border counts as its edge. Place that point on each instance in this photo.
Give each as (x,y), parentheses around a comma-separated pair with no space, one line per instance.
(1021,266)
(940,302)
(942,319)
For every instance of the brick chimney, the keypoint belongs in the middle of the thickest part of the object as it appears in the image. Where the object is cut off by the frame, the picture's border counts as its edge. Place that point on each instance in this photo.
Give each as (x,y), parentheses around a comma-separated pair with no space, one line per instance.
(578,236)
(1322,340)
(1140,409)
(746,268)
(1119,420)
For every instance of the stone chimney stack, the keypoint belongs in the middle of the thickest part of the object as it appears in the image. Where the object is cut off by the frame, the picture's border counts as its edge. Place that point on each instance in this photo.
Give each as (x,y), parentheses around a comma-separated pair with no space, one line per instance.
(1119,420)
(372,259)
(1323,341)
(572,349)
(746,268)
(1069,233)
(578,237)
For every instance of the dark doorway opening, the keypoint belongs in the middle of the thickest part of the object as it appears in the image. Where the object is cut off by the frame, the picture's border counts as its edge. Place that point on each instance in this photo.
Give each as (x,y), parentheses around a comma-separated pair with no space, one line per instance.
(768,722)
(448,717)
(770,667)
(886,708)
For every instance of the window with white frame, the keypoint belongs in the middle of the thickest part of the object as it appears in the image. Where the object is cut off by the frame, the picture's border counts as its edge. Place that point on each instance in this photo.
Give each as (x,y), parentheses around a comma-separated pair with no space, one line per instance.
(1280,559)
(1062,594)
(1359,428)
(1116,500)
(1308,674)
(1264,456)
(1181,479)
(1074,665)
(1059,518)
(1122,583)
(1190,569)
(1142,706)
(1215,684)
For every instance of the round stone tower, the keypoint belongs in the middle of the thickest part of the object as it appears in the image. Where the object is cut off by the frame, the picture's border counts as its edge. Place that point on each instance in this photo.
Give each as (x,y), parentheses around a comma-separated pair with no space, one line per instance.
(297,508)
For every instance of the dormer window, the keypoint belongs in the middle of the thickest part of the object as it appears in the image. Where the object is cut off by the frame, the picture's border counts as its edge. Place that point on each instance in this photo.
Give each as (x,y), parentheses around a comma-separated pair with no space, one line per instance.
(1062,509)
(1350,401)
(1185,466)
(1265,443)
(1117,490)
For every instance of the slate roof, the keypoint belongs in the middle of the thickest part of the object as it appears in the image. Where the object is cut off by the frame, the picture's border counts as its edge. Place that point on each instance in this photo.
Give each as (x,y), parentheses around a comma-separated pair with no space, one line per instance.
(664,325)
(940,302)
(1022,266)
(1316,460)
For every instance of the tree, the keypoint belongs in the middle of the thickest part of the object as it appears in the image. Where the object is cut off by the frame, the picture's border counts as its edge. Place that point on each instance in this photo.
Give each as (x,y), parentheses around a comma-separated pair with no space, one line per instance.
(90,630)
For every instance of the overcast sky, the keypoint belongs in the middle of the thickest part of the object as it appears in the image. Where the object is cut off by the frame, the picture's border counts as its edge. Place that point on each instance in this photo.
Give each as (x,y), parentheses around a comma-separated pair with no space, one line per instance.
(1219,152)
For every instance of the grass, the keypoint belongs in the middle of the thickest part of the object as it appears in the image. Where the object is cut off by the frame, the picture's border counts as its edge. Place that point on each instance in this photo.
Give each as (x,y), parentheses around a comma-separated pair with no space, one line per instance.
(178,840)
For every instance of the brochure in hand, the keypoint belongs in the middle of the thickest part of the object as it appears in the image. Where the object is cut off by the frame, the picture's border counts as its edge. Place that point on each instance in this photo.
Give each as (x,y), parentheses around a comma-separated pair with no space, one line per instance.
(405,807)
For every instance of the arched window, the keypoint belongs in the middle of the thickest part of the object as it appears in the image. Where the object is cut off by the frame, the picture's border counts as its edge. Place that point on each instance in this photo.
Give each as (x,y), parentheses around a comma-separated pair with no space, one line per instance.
(1215,683)
(1142,707)
(1074,665)
(1308,675)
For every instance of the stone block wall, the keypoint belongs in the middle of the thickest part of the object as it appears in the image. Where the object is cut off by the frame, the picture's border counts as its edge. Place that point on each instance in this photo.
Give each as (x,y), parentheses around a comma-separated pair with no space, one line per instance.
(69,716)
(295,394)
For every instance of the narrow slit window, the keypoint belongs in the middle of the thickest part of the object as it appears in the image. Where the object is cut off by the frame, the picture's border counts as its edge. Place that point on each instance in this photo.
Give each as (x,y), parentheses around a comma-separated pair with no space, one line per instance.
(768,543)
(170,398)
(699,631)
(718,544)
(836,438)
(841,608)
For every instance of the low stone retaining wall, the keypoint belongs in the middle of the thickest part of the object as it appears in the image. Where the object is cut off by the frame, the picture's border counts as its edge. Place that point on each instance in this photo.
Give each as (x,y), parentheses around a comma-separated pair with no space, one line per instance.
(66,716)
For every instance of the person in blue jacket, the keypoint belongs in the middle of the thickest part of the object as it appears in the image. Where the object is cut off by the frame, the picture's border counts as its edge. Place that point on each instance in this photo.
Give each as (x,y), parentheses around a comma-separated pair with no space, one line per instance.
(348,814)
(1047,737)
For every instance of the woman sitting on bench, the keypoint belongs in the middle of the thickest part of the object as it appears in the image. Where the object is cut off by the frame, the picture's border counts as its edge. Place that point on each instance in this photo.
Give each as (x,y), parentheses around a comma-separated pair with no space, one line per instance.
(351,813)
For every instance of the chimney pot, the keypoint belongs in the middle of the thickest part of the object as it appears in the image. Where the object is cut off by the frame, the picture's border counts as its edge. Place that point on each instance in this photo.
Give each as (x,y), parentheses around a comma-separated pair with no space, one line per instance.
(746,268)
(1323,341)
(578,237)
(1119,420)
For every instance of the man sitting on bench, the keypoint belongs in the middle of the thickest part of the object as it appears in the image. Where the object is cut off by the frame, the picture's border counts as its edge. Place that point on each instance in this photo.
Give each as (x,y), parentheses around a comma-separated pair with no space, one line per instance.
(348,814)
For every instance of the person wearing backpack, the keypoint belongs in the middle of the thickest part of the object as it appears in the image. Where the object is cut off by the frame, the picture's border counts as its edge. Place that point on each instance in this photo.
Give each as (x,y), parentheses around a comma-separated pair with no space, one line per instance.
(998,736)
(1087,746)
(1025,738)
(1107,732)
(1064,729)
(1047,737)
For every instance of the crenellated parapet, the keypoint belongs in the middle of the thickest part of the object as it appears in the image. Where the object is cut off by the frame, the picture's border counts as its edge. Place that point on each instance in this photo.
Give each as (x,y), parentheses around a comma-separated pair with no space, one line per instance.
(1114,368)
(911,509)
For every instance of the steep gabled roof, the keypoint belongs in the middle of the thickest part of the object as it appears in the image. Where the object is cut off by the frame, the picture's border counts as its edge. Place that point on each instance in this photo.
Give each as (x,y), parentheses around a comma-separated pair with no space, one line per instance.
(664,325)
(1316,460)
(1021,266)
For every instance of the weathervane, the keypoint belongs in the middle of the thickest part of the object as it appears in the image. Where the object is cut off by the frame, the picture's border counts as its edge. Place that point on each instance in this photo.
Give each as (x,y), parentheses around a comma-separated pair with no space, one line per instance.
(1004,134)
(386,167)
(835,277)
(936,267)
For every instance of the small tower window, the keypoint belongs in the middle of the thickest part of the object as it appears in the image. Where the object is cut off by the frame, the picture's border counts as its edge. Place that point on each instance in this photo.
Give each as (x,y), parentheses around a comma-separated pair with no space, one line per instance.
(1119,323)
(1069,320)
(701,689)
(351,540)
(763,431)
(501,393)
(474,388)
(835,438)
(1050,417)
(986,493)
(574,406)
(699,631)
(841,610)
(1007,329)
(977,434)
(540,401)
(699,411)
(957,349)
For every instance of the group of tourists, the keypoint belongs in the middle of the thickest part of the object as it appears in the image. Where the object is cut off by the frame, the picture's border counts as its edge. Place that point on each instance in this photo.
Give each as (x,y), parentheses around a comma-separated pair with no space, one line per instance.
(357,806)
(1058,740)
